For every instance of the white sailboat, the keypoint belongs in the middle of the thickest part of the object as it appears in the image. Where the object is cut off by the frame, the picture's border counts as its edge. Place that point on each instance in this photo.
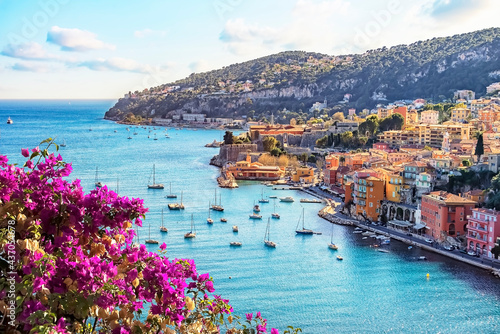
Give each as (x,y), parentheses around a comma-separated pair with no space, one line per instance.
(274,214)
(97,183)
(190,234)
(63,143)
(171,195)
(263,200)
(155,185)
(331,245)
(176,206)
(215,206)
(303,230)
(268,242)
(151,241)
(163,228)
(209,220)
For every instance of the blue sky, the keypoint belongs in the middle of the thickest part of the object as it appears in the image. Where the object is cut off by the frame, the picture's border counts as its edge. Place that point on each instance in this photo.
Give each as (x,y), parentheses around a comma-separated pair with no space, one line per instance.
(102,49)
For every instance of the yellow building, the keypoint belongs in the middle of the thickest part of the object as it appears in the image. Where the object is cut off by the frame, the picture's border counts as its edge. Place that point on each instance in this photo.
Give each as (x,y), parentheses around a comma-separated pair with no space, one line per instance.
(368,195)
(303,175)
(459,114)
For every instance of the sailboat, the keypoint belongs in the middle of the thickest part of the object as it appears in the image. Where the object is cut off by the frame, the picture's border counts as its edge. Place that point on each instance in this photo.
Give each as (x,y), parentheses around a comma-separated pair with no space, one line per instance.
(190,234)
(209,220)
(9,121)
(215,206)
(303,230)
(163,228)
(176,206)
(267,242)
(255,216)
(274,214)
(171,195)
(263,200)
(256,208)
(97,183)
(151,241)
(63,143)
(331,245)
(155,185)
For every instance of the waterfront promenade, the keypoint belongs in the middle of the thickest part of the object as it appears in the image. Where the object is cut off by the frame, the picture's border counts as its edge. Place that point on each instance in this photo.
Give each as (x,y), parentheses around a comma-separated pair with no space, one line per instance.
(332,214)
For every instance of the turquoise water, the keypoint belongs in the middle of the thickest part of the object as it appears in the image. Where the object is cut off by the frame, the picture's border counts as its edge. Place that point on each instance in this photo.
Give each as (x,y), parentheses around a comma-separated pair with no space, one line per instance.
(300,283)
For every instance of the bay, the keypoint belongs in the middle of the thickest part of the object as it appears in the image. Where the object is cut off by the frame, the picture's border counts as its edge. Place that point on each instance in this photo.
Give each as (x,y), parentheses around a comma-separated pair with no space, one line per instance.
(300,283)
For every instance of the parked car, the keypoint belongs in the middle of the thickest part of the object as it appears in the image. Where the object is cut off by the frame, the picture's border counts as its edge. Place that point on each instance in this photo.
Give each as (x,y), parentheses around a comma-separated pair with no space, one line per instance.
(471,253)
(449,247)
(428,240)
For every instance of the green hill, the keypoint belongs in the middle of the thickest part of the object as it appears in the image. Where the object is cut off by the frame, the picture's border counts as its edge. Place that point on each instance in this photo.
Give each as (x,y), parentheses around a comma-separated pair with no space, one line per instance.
(294,80)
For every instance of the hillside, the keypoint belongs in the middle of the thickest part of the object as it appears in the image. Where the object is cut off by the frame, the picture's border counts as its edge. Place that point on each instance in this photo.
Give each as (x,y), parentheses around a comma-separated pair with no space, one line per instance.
(295,79)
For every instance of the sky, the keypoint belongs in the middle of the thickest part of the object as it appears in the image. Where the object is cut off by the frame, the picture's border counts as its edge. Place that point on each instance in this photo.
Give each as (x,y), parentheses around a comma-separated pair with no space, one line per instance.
(69,49)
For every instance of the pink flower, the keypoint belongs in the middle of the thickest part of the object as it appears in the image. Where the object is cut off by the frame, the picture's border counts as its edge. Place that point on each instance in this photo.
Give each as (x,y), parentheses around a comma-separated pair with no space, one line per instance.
(274,331)
(249,316)
(35,150)
(25,152)
(163,246)
(210,286)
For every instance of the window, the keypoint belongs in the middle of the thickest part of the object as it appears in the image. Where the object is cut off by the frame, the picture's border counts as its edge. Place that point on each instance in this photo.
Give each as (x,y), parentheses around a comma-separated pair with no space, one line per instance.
(371,205)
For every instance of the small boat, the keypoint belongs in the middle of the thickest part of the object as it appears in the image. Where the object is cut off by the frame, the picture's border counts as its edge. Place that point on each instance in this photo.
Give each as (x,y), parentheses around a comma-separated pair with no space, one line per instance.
(129,137)
(116,131)
(209,220)
(275,215)
(235,228)
(176,206)
(235,243)
(135,133)
(267,242)
(287,199)
(303,230)
(364,238)
(223,220)
(150,241)
(171,195)
(215,206)
(357,231)
(263,200)
(9,121)
(331,245)
(155,185)
(305,200)
(97,183)
(63,143)
(256,208)
(381,250)
(339,258)
(410,247)
(190,234)
(273,196)
(255,216)
(163,228)
(421,258)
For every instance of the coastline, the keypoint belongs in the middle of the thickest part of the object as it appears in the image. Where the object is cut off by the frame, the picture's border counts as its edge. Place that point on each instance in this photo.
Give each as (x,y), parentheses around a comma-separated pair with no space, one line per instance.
(330,214)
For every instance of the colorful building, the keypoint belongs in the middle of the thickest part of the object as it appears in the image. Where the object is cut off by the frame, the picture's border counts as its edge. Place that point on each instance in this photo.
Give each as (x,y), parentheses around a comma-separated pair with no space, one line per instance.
(429,116)
(303,175)
(445,214)
(460,115)
(483,231)
(246,170)
(368,194)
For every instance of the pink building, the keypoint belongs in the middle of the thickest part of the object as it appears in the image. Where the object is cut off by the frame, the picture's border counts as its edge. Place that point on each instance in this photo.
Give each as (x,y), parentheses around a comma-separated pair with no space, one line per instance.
(483,231)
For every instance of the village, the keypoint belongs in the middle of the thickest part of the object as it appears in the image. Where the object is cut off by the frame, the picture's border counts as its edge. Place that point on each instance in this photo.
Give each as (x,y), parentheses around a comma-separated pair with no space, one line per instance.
(431,179)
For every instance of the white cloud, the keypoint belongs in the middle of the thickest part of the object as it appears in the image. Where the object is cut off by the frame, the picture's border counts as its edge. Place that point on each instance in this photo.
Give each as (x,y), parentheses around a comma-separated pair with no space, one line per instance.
(29,50)
(311,25)
(149,32)
(200,66)
(76,39)
(120,65)
(34,67)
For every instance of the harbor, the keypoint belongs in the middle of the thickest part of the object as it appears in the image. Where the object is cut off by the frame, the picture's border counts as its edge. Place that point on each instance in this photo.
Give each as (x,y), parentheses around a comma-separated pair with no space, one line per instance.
(300,273)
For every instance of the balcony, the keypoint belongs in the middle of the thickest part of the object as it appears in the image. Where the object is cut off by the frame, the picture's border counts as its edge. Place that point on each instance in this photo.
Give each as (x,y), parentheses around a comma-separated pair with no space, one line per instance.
(478,238)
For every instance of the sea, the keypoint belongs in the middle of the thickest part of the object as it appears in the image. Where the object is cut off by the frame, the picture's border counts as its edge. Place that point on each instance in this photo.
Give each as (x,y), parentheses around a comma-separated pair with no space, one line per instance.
(300,283)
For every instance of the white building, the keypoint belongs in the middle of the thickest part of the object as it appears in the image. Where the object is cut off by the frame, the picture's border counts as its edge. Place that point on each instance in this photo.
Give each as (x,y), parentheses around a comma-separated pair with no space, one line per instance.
(429,116)
(493,88)
(193,117)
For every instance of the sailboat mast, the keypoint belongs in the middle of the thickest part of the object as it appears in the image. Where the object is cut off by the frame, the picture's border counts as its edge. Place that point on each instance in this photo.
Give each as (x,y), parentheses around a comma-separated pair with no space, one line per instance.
(154,182)
(302,218)
(161,217)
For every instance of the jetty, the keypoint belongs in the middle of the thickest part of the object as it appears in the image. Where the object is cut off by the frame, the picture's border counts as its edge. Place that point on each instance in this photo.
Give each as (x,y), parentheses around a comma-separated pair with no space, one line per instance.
(226,179)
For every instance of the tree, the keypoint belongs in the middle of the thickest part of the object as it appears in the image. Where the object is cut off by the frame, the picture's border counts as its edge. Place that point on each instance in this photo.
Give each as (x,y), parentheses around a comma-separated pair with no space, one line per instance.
(269,143)
(283,160)
(320,162)
(338,116)
(346,139)
(304,157)
(228,138)
(322,142)
(78,269)
(370,126)
(479,147)
(496,251)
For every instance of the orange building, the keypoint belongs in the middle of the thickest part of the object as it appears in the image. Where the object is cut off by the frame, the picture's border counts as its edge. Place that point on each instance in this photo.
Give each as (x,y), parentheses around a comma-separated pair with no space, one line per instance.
(246,170)
(476,195)
(368,193)
(403,111)
(303,175)
(356,161)
(445,214)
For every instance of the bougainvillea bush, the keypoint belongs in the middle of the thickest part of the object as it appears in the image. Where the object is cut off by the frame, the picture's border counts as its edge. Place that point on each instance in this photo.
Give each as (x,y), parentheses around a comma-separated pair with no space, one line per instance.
(69,264)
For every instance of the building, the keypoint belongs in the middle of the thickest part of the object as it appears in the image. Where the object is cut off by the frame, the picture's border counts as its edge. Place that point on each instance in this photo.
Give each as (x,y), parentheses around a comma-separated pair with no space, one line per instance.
(494,87)
(483,231)
(318,106)
(393,184)
(475,105)
(200,118)
(460,115)
(303,175)
(246,170)
(403,111)
(368,194)
(494,162)
(383,113)
(476,195)
(424,183)
(429,116)
(467,95)
(412,169)
(445,214)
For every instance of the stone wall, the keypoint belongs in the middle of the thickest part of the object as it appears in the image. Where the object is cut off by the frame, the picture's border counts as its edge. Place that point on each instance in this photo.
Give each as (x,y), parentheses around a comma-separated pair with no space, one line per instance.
(230,153)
